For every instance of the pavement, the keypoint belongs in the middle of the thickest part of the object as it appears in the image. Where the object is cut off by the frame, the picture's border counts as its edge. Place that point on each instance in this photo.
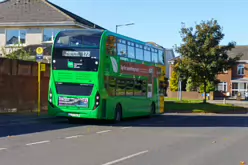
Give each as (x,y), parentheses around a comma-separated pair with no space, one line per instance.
(233,102)
(169,139)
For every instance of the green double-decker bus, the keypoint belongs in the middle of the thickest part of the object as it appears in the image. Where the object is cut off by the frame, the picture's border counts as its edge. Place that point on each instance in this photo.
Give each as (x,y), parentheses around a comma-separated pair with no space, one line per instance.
(98,74)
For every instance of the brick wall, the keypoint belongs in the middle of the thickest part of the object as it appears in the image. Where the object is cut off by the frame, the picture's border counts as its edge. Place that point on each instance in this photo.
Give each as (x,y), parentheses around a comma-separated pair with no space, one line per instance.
(226,77)
(185,95)
(18,85)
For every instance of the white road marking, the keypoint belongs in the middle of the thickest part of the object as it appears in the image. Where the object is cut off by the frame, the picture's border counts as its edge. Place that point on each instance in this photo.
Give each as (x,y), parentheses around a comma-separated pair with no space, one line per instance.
(125,127)
(104,131)
(125,158)
(3,149)
(41,142)
(76,136)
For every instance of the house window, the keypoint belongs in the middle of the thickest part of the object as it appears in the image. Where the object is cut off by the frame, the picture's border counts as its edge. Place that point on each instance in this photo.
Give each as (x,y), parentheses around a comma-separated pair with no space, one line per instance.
(222,87)
(16,36)
(241,69)
(50,34)
(225,71)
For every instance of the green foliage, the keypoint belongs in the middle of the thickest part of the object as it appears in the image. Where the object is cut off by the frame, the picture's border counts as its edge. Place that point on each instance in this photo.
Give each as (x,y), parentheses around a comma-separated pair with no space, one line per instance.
(17,52)
(174,82)
(204,57)
(191,85)
(210,87)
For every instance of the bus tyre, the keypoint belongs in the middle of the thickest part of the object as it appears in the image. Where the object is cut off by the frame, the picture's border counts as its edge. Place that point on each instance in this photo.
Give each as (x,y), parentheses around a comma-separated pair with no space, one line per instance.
(118,113)
(153,109)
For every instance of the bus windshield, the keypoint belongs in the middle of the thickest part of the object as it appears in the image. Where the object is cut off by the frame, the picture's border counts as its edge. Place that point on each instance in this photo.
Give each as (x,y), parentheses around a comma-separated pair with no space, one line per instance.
(79,39)
(77,50)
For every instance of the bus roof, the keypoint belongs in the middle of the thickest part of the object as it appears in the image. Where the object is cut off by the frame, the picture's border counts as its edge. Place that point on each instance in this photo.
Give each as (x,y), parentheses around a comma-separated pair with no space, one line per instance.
(152,44)
(107,32)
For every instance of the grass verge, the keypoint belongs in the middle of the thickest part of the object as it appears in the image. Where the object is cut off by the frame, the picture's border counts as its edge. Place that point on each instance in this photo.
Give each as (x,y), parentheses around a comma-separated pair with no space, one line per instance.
(197,106)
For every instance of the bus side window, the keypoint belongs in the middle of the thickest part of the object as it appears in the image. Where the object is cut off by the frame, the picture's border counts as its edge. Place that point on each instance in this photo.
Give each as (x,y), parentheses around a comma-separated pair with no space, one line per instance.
(154,55)
(121,47)
(110,84)
(111,45)
(131,50)
(139,52)
(129,87)
(147,55)
(144,87)
(138,88)
(120,87)
(161,57)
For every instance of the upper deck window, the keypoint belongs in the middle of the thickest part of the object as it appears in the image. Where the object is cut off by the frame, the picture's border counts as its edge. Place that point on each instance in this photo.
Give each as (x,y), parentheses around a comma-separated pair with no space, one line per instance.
(131,51)
(161,57)
(147,55)
(122,47)
(154,55)
(111,45)
(79,38)
(139,52)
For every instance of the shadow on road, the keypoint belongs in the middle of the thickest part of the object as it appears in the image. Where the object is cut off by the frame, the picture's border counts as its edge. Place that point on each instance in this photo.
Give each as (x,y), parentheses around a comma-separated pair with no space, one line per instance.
(158,121)
(27,127)
(190,121)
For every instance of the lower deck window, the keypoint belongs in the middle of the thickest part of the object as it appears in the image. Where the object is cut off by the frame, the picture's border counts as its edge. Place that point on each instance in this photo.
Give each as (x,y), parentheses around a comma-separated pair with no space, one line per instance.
(74,89)
(125,87)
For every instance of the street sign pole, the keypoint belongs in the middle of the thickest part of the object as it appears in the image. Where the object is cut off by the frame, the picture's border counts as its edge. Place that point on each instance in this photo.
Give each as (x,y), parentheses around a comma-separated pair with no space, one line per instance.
(38,89)
(39,58)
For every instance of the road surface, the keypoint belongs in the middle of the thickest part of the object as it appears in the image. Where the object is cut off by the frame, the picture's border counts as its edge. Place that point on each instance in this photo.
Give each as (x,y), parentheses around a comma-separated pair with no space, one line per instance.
(163,140)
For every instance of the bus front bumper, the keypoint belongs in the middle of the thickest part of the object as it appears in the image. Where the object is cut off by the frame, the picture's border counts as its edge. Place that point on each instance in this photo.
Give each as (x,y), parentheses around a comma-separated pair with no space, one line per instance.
(60,112)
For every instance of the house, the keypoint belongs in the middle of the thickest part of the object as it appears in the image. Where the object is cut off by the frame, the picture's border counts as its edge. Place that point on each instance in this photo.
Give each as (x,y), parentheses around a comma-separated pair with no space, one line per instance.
(169,54)
(35,22)
(234,80)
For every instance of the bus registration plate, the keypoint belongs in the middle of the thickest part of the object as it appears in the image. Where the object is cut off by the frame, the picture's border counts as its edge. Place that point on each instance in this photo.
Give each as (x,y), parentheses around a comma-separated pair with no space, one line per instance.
(73,115)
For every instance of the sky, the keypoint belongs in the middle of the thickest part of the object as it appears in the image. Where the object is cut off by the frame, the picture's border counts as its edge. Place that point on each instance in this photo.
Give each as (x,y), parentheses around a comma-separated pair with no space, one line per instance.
(160,20)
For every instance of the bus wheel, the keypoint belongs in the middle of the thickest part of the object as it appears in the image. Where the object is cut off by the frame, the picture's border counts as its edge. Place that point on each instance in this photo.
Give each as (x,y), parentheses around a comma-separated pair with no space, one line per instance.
(153,109)
(118,113)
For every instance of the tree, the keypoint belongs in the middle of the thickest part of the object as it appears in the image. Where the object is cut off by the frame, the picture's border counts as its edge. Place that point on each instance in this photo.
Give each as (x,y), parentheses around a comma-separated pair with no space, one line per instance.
(210,87)
(17,52)
(174,81)
(191,85)
(203,53)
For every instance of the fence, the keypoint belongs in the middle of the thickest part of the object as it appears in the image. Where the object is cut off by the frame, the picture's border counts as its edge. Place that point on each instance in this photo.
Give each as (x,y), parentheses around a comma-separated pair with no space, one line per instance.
(18,86)
(185,95)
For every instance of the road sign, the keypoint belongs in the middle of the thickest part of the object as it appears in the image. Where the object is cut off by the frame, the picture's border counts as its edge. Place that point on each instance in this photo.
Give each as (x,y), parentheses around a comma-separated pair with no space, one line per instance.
(43,68)
(39,57)
(39,50)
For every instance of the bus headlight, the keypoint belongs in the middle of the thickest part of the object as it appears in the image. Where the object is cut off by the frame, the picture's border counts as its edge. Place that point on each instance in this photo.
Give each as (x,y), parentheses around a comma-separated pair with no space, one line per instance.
(97,100)
(50,95)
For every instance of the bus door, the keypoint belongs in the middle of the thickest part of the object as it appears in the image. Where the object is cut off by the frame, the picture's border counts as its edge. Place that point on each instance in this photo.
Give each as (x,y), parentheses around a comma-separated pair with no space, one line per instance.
(149,91)
(150,84)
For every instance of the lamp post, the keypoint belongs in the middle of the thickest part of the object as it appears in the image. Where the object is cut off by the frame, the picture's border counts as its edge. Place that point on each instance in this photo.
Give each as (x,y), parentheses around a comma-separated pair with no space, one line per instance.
(116,27)
(180,88)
